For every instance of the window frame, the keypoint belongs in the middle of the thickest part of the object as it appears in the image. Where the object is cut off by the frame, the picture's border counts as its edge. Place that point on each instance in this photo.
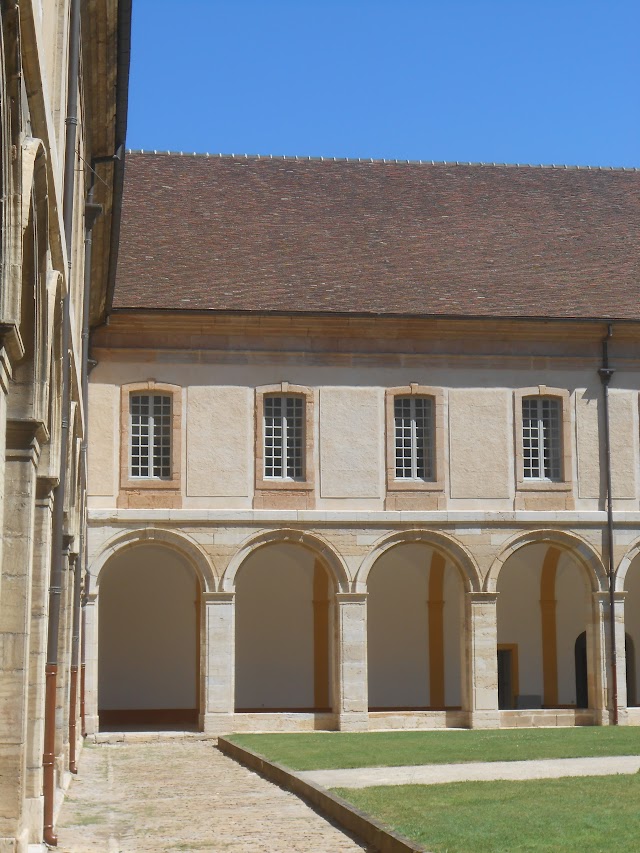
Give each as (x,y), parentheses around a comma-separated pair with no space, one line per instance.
(531,484)
(306,483)
(155,435)
(129,483)
(402,484)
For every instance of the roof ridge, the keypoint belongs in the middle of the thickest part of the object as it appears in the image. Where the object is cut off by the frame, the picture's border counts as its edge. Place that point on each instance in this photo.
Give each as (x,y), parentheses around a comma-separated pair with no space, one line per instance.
(383,160)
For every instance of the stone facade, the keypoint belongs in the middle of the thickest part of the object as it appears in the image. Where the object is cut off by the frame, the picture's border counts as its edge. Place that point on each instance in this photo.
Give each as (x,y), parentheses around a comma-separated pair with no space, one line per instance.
(429,587)
(43,252)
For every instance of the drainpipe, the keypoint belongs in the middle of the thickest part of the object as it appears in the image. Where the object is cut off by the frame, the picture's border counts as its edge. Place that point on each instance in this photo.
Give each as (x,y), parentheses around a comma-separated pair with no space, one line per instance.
(55,584)
(91,212)
(606,373)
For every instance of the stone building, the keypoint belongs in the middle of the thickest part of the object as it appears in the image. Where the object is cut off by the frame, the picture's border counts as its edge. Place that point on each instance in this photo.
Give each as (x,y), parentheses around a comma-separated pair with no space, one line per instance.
(63,84)
(348,449)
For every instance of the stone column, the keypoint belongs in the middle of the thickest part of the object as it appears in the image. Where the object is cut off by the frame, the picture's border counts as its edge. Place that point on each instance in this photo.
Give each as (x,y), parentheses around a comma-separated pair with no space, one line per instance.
(351,700)
(598,657)
(621,657)
(38,655)
(481,694)
(5,374)
(22,456)
(217,656)
(91,665)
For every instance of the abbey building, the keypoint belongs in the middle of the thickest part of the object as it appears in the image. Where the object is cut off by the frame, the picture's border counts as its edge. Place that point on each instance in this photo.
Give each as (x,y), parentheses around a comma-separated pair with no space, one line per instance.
(352,427)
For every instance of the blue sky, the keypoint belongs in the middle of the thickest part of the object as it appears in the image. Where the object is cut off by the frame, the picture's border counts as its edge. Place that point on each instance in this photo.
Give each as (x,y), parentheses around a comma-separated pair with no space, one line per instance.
(491,81)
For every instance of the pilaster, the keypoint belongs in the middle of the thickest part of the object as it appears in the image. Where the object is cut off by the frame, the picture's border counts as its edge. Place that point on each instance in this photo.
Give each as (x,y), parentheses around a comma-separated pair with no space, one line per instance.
(22,454)
(218,661)
(91,664)
(351,695)
(481,652)
(598,659)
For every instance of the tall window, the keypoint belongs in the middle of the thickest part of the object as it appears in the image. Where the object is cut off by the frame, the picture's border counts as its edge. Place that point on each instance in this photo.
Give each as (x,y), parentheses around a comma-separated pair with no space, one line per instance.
(414,438)
(283,438)
(150,436)
(541,438)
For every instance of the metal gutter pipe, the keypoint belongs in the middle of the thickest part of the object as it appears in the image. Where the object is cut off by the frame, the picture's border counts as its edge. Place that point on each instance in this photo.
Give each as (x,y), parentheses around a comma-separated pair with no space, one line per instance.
(606,373)
(91,212)
(57,557)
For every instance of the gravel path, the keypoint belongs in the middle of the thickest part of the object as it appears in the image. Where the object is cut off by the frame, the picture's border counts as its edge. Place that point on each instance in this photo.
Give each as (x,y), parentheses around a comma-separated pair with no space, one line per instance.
(435,774)
(184,796)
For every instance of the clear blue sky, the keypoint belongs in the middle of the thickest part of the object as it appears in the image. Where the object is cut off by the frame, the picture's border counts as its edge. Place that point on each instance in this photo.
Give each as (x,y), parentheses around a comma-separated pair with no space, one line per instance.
(516,81)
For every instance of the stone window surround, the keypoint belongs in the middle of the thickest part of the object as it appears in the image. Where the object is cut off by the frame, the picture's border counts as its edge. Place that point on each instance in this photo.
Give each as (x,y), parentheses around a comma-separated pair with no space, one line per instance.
(529,485)
(151,484)
(267,484)
(415,390)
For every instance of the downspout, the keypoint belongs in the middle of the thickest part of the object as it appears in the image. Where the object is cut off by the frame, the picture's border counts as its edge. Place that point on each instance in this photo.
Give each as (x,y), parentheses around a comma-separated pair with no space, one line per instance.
(55,584)
(606,373)
(91,212)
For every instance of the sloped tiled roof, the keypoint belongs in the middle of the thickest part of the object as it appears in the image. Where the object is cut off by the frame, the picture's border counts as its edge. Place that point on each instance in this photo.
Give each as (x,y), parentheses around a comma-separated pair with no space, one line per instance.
(292,235)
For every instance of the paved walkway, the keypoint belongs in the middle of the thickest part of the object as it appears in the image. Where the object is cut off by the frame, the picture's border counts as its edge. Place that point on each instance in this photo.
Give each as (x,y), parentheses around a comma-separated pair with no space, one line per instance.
(436,774)
(184,795)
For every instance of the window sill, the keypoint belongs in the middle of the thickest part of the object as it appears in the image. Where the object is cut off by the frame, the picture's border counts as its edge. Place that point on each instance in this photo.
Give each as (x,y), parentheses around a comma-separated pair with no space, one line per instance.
(284,485)
(544,486)
(394,485)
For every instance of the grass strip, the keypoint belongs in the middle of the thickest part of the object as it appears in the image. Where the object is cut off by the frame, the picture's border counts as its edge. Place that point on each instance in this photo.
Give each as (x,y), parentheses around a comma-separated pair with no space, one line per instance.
(574,815)
(327,750)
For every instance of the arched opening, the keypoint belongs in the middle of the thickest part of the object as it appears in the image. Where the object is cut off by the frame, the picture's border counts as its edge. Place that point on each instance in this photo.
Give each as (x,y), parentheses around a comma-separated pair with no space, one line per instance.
(148,647)
(632,627)
(414,630)
(284,626)
(543,606)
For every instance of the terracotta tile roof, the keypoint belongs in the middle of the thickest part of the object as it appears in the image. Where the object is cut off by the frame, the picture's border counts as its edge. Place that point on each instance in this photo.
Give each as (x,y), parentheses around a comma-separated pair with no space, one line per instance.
(261,234)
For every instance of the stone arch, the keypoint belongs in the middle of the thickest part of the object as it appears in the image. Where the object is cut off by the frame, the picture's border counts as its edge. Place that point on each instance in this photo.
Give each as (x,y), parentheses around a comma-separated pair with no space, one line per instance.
(173,539)
(311,541)
(446,544)
(568,542)
(623,566)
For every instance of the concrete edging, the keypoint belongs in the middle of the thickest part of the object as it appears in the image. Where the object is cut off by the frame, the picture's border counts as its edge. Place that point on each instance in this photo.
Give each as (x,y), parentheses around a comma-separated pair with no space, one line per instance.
(337,809)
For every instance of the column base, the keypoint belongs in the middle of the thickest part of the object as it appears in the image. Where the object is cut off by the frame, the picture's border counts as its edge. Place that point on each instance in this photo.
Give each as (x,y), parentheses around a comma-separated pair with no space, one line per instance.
(34,818)
(357,721)
(92,724)
(484,720)
(217,724)
(19,844)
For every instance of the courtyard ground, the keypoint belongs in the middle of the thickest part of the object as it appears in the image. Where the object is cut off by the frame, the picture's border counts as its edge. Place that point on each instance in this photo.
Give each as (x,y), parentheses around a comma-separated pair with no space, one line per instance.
(184,795)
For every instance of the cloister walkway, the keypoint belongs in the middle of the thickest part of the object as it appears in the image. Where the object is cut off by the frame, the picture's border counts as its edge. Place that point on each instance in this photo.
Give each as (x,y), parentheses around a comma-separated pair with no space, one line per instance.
(184,795)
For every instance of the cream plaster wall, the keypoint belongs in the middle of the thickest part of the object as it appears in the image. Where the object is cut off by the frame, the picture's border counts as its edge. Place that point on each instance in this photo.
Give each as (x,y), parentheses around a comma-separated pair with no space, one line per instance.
(632,615)
(219,441)
(572,615)
(274,629)
(453,636)
(480,443)
(519,619)
(397,628)
(480,452)
(351,442)
(147,631)
(104,436)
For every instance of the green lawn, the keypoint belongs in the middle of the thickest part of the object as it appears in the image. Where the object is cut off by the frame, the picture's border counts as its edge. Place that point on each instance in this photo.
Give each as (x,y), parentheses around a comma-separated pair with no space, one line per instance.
(581,815)
(325,750)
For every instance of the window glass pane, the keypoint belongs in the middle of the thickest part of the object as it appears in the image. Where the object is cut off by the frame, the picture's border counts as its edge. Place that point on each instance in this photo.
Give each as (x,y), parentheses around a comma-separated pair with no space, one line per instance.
(541,438)
(150,435)
(284,437)
(414,438)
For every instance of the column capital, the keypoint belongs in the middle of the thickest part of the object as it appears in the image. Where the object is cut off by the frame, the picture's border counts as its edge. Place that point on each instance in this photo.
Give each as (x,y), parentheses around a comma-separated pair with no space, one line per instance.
(351,597)
(482,597)
(603,597)
(218,597)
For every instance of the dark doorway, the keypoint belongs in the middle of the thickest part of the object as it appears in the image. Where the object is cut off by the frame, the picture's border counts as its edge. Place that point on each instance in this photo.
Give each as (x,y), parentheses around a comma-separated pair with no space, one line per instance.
(630,654)
(505,679)
(582,688)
